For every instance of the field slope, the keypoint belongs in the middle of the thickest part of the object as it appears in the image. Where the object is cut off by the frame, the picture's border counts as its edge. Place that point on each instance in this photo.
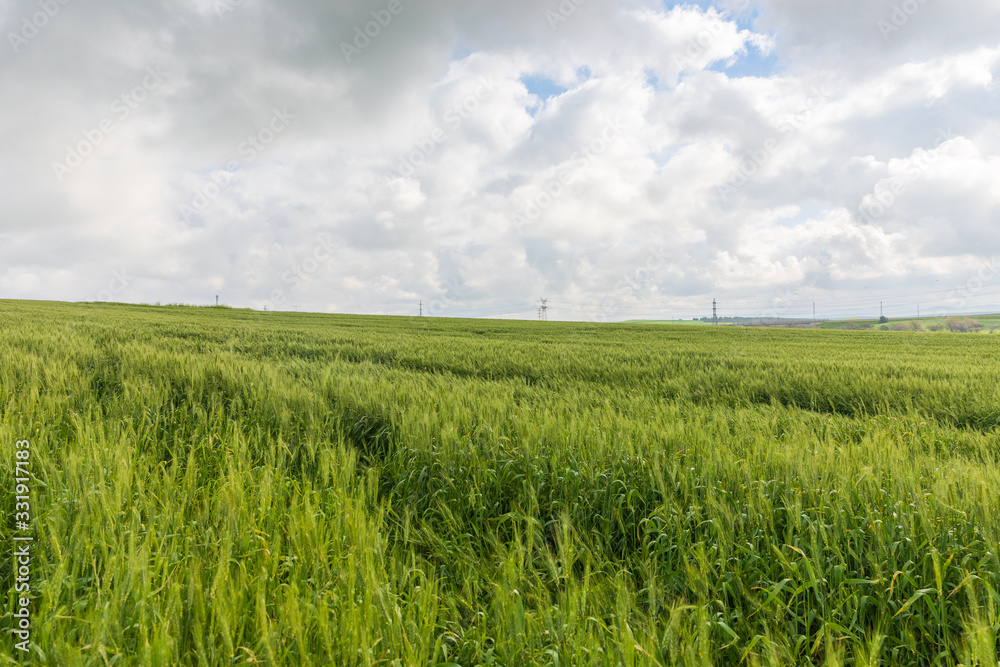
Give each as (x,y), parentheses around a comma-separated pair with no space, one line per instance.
(218,486)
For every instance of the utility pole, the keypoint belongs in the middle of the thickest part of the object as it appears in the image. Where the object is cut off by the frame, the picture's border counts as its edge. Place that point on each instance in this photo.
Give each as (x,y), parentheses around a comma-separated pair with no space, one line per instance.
(216,299)
(880,312)
(421,309)
(918,311)
(814,311)
(544,310)
(715,314)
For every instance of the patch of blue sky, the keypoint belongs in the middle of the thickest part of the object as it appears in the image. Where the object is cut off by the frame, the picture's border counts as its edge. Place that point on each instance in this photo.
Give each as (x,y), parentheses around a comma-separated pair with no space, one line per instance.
(661,158)
(744,19)
(704,4)
(751,64)
(653,81)
(542,87)
(460,51)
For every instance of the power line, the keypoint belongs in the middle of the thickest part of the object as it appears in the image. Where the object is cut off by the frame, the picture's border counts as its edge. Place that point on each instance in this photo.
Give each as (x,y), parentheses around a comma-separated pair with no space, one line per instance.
(448,312)
(787,306)
(842,303)
(494,315)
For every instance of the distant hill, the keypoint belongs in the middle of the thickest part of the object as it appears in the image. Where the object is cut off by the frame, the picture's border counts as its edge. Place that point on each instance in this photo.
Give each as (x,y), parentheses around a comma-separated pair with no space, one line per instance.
(989,323)
(786,321)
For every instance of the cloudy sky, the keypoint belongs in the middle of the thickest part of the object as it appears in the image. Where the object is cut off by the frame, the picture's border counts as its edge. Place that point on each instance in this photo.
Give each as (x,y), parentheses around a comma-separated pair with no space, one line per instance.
(623,159)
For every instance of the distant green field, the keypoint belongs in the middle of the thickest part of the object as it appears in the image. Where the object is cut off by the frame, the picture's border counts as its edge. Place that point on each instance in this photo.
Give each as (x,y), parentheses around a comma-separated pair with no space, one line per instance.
(217,486)
(989,322)
(699,322)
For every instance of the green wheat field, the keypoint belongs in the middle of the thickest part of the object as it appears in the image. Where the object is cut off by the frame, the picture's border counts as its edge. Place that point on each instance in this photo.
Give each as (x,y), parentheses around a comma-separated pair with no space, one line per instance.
(215,486)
